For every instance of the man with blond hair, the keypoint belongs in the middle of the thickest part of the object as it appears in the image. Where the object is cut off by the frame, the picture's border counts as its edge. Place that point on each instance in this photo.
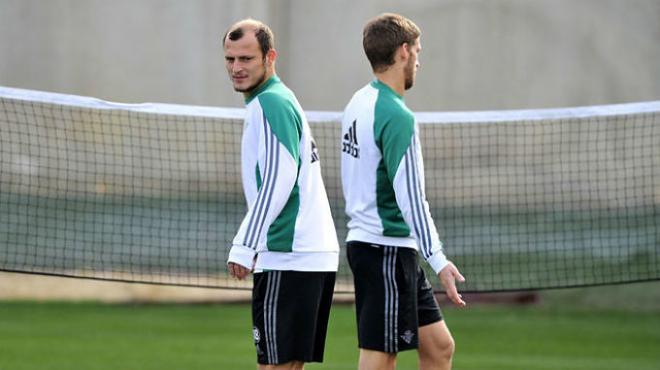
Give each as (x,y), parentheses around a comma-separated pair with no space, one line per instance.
(389,217)
(287,236)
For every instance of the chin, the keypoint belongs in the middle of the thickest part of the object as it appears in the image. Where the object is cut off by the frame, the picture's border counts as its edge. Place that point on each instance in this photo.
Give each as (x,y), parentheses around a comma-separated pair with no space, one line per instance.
(243,89)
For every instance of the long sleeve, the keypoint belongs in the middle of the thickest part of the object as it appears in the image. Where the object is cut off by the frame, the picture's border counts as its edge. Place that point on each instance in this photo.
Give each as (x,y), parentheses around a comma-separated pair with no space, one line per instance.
(275,176)
(402,156)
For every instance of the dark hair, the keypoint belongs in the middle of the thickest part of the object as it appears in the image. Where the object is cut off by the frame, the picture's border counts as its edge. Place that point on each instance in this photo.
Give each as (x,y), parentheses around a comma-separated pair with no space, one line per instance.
(383,35)
(261,31)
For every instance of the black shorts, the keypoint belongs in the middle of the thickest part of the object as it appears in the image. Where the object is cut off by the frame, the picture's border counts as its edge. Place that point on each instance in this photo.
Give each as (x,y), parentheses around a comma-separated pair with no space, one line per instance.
(290,312)
(393,298)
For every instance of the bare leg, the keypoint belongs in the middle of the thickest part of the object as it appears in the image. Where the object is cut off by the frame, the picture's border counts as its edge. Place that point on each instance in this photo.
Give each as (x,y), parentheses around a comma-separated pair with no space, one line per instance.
(293,365)
(376,360)
(436,347)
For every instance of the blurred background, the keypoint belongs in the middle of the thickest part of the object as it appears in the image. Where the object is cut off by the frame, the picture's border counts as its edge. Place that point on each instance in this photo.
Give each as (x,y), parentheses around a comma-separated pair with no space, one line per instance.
(477,54)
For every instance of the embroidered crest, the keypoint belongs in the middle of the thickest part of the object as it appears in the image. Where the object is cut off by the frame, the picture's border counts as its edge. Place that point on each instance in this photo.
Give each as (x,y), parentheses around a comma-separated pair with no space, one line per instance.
(256,335)
(407,336)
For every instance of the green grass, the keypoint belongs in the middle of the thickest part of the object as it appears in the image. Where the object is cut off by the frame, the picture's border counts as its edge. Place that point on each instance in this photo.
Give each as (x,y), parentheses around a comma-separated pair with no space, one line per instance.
(98,336)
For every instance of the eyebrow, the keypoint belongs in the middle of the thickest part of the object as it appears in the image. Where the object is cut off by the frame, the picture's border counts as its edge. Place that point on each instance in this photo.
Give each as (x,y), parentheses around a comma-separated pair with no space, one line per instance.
(240,56)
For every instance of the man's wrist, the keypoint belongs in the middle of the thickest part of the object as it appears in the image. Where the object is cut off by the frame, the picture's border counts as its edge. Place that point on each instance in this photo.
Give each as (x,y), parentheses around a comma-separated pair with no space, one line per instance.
(241,255)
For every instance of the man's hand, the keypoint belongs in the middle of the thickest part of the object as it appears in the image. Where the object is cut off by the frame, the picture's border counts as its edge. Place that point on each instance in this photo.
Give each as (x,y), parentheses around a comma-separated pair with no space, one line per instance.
(448,276)
(238,271)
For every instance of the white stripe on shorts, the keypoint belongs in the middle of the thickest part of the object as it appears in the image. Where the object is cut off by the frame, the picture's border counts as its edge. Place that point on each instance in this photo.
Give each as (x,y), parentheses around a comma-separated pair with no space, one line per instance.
(391,300)
(270,315)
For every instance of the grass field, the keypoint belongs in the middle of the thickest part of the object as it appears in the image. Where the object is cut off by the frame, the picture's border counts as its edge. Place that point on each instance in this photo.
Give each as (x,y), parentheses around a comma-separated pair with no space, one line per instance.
(100,336)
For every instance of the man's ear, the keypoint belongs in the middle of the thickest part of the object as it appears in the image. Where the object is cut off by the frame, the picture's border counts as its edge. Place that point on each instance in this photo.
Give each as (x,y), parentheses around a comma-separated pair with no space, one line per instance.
(403,51)
(271,55)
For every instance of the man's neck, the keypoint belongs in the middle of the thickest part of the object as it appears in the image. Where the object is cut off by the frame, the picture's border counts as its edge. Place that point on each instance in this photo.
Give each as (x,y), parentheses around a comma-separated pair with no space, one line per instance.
(267,77)
(393,78)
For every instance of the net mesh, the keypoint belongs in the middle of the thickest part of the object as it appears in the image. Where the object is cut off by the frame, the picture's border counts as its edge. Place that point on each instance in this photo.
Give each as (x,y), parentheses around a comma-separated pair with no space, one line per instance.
(151,192)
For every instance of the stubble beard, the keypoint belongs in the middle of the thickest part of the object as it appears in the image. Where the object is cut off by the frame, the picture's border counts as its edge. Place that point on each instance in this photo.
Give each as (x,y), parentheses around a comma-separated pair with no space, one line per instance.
(250,88)
(409,74)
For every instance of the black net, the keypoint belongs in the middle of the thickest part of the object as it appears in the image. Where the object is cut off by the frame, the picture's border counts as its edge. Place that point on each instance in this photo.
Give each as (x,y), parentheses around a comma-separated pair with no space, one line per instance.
(151,193)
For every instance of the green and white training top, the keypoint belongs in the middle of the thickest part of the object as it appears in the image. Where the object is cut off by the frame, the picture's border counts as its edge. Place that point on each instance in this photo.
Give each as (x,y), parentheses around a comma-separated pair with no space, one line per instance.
(382,173)
(288,224)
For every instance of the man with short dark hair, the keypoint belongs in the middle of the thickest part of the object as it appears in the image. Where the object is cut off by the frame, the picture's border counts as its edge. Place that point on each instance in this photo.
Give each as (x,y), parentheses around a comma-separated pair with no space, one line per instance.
(287,236)
(389,217)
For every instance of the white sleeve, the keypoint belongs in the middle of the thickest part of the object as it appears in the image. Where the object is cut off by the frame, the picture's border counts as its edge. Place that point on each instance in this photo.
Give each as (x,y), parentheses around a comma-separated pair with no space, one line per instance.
(410,196)
(278,170)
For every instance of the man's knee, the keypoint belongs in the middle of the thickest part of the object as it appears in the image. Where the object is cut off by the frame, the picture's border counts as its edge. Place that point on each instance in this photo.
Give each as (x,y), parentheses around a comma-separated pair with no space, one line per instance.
(437,356)
(447,347)
(436,344)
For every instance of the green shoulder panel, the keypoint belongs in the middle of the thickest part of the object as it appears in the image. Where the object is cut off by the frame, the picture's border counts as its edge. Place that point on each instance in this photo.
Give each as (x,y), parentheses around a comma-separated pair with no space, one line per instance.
(278,105)
(394,131)
(394,127)
(285,120)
